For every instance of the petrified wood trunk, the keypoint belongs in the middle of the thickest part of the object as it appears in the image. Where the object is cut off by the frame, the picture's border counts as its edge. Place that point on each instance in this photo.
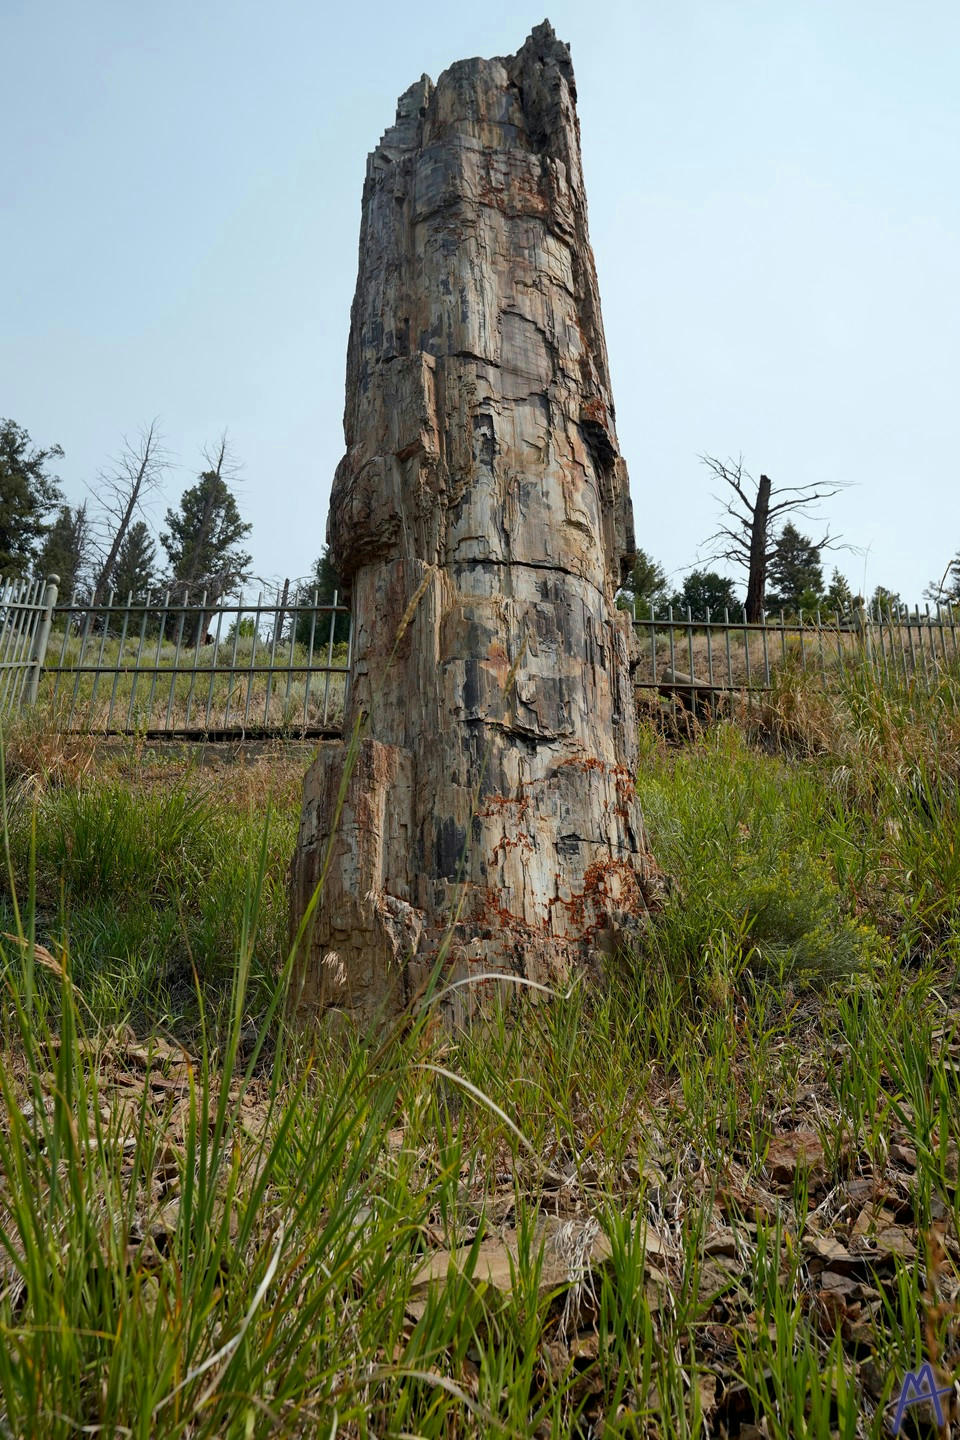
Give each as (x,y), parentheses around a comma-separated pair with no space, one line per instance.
(495,785)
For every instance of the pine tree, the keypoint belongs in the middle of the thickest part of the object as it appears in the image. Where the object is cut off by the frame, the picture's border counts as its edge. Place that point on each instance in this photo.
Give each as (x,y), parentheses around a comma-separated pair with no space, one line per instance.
(839,598)
(645,587)
(885,602)
(135,570)
(796,575)
(325,581)
(203,537)
(28,493)
(705,590)
(66,548)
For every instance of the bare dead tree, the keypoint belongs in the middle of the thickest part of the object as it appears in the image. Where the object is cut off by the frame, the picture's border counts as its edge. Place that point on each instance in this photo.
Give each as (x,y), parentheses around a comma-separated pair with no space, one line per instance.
(135,474)
(750,540)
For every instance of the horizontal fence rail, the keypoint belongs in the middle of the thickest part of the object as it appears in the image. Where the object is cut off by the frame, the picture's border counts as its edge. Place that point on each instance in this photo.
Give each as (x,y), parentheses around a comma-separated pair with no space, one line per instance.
(724,654)
(181,668)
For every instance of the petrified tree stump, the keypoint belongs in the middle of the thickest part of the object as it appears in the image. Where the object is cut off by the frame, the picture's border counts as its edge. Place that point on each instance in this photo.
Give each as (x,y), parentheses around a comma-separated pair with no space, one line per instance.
(495,783)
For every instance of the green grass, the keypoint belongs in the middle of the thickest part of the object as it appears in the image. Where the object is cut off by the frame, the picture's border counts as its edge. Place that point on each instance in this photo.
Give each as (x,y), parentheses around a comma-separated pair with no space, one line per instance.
(229,1240)
(145,873)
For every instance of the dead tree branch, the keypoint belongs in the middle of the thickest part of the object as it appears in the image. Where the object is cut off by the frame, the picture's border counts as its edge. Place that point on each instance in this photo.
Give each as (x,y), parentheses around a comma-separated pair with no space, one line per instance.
(750,542)
(121,491)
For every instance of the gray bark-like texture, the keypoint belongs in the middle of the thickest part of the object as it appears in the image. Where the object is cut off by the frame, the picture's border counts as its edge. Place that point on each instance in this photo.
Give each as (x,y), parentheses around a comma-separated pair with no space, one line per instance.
(495,784)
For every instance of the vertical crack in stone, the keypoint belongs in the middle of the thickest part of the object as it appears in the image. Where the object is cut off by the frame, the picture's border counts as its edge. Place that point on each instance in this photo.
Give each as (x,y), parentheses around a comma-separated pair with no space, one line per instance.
(481,459)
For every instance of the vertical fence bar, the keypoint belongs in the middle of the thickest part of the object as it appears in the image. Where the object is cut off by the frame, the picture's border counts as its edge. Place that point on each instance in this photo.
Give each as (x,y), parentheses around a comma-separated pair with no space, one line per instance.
(823,663)
(163,614)
(233,663)
(31,623)
(104,631)
(5,589)
(213,667)
(326,678)
(41,639)
(913,657)
(38,611)
(253,655)
(346,678)
(176,660)
(746,652)
(901,648)
(6,629)
(119,665)
(910,645)
(872,657)
(6,626)
(783,639)
(309,676)
(201,633)
(866,636)
(726,637)
(673,662)
(709,650)
(67,622)
(281,611)
(892,646)
(887,646)
(693,673)
(953,629)
(16,676)
(17,621)
(766,654)
(278,616)
(938,621)
(87,620)
(931,642)
(294,627)
(12,625)
(137,663)
(939,624)
(803,657)
(881,657)
(836,618)
(922,648)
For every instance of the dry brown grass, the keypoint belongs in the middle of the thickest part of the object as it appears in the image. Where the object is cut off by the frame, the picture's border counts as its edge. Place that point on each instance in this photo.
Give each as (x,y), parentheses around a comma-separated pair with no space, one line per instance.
(38,758)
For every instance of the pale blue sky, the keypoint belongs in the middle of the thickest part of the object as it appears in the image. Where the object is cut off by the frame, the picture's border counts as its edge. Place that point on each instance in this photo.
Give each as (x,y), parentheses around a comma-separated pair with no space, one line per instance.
(774,207)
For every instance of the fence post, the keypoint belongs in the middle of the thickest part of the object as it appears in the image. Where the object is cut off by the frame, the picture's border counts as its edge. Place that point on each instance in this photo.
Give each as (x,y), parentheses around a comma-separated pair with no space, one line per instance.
(38,652)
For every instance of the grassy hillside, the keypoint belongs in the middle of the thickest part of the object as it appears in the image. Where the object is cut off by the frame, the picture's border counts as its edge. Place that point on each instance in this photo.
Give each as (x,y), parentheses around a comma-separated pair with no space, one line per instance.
(718,1198)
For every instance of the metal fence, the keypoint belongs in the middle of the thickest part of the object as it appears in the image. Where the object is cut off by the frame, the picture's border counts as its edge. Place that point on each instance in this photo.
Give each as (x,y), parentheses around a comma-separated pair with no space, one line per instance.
(26,608)
(680,654)
(178,668)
